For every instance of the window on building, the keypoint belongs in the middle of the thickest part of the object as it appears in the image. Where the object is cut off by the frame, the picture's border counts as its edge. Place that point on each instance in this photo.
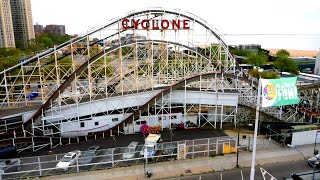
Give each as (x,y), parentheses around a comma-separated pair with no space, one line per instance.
(96,123)
(81,124)
(174,117)
(141,122)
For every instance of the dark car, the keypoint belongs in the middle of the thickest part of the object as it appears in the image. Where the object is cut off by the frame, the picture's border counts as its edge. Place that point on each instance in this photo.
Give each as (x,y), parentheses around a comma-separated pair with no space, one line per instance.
(88,155)
(10,165)
(170,148)
(8,152)
(94,148)
(107,155)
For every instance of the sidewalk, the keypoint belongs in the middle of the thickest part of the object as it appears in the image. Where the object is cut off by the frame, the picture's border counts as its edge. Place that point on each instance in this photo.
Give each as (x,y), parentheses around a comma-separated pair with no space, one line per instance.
(194,166)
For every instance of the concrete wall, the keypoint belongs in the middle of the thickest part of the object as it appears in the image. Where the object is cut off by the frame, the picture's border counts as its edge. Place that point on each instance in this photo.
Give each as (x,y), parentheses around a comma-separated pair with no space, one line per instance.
(304,137)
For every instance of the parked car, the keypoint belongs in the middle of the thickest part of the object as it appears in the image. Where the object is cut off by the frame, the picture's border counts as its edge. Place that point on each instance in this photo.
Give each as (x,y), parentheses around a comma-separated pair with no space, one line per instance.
(94,148)
(88,156)
(8,152)
(169,148)
(106,156)
(10,165)
(130,150)
(312,160)
(68,160)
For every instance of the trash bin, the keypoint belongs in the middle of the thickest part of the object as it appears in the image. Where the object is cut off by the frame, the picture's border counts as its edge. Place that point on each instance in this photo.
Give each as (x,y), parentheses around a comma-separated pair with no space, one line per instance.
(149,173)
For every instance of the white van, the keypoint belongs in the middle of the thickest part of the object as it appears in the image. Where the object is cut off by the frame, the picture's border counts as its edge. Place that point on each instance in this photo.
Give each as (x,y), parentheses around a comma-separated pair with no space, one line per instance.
(151,145)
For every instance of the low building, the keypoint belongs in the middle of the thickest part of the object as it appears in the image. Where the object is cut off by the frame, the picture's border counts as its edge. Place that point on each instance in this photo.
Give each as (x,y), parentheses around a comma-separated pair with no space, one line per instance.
(317,65)
(251,47)
(82,47)
(57,29)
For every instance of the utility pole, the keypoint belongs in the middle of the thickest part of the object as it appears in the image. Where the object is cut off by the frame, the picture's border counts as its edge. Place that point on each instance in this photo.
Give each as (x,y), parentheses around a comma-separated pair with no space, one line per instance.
(238,127)
(315,143)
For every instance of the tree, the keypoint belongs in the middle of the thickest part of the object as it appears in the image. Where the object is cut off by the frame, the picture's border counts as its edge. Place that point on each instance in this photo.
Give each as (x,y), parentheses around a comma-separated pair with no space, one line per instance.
(257,59)
(284,63)
(240,52)
(46,42)
(265,74)
(282,52)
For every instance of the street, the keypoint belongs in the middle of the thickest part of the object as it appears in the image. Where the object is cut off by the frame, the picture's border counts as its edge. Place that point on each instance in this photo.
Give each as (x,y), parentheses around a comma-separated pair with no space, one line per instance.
(278,170)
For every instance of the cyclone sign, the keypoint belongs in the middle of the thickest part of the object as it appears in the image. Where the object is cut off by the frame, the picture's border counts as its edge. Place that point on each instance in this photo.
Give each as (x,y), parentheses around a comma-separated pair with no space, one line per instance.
(155,24)
(279,92)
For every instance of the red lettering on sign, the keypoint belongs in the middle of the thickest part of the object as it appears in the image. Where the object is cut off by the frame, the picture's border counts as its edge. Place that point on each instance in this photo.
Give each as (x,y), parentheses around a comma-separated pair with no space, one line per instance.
(135,23)
(175,24)
(155,24)
(125,24)
(186,24)
(164,24)
(145,24)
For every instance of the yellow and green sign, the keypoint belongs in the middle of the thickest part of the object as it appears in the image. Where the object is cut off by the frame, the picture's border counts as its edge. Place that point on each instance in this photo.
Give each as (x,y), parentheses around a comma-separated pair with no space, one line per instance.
(279,92)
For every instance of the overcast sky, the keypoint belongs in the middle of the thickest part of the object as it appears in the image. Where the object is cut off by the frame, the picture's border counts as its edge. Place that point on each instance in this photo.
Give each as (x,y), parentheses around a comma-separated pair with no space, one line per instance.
(227,16)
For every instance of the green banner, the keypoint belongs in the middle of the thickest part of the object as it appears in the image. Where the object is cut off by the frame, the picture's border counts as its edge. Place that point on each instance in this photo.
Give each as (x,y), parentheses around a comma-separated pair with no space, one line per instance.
(279,92)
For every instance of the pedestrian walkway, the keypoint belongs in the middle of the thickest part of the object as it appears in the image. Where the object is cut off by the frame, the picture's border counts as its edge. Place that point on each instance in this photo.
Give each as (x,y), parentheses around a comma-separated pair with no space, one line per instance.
(187,167)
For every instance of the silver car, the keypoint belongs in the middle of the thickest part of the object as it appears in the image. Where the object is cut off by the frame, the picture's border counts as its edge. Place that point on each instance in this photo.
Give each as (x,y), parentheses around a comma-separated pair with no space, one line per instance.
(68,160)
(130,150)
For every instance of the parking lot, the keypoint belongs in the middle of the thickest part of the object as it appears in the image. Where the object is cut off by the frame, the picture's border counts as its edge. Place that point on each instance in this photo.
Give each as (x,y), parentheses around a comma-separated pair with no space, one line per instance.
(114,157)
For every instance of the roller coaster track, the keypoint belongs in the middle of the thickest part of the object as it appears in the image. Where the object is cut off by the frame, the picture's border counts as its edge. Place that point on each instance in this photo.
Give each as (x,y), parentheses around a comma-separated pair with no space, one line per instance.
(47,139)
(65,140)
(26,125)
(113,22)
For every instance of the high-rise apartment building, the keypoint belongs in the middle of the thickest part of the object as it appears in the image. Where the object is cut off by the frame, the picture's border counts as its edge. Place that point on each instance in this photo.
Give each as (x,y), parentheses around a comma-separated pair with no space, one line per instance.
(38,29)
(6,27)
(22,22)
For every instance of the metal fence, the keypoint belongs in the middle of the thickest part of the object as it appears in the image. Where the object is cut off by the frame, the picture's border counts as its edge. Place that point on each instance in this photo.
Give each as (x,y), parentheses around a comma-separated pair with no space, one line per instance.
(113,158)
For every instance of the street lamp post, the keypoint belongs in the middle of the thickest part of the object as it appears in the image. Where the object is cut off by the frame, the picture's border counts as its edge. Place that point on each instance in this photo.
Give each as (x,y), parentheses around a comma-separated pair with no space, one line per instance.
(315,143)
(314,165)
(237,162)
(254,148)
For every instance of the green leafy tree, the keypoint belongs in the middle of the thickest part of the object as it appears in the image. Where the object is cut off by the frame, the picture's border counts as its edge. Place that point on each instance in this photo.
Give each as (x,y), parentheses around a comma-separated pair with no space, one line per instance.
(257,59)
(46,42)
(9,57)
(282,52)
(284,63)
(240,52)
(264,74)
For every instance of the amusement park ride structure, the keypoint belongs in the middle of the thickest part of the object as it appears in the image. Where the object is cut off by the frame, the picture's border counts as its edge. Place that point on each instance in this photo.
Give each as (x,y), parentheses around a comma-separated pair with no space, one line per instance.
(155,66)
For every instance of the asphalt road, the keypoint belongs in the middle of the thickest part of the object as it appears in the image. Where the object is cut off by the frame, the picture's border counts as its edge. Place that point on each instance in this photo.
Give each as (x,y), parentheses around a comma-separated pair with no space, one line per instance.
(124,140)
(45,165)
(278,170)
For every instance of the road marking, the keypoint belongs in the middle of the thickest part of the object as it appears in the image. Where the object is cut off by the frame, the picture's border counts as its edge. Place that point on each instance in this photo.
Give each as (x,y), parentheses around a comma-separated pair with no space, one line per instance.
(241,175)
(221,176)
(47,172)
